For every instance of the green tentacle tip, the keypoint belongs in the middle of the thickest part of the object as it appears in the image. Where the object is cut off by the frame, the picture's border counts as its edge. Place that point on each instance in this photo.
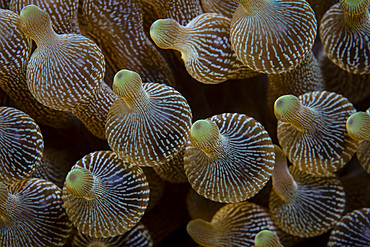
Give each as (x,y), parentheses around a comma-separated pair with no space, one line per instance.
(157,27)
(202,129)
(358,126)
(162,32)
(354,7)
(79,182)
(29,10)
(204,135)
(126,82)
(266,238)
(285,105)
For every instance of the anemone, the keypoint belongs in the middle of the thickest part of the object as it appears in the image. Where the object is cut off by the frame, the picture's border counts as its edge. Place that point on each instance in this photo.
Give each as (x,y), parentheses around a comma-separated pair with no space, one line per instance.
(32,214)
(312,131)
(272,36)
(149,123)
(77,63)
(21,145)
(302,204)
(345,35)
(352,230)
(204,46)
(105,196)
(113,26)
(74,82)
(14,56)
(120,34)
(229,157)
(235,224)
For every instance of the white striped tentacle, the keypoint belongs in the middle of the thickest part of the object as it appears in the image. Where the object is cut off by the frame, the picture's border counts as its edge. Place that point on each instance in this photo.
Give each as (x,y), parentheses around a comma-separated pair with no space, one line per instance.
(231,164)
(272,36)
(314,135)
(116,200)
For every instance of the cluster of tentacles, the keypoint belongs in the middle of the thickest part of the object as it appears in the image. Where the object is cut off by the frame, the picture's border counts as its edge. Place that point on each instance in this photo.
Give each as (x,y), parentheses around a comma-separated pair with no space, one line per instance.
(184,123)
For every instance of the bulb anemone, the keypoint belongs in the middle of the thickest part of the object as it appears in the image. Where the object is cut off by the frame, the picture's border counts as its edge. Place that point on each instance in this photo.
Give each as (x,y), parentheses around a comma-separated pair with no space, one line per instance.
(32,214)
(74,82)
(345,35)
(204,46)
(66,69)
(62,13)
(272,36)
(358,127)
(303,204)
(352,230)
(138,236)
(120,34)
(105,196)
(235,224)
(21,145)
(229,158)
(149,123)
(312,131)
(14,56)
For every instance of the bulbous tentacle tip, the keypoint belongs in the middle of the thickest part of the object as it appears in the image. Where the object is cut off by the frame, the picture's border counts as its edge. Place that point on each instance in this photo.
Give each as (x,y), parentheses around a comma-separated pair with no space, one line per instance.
(286,105)
(358,126)
(163,32)
(29,10)
(266,238)
(202,127)
(79,182)
(35,23)
(125,82)
(204,134)
(31,14)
